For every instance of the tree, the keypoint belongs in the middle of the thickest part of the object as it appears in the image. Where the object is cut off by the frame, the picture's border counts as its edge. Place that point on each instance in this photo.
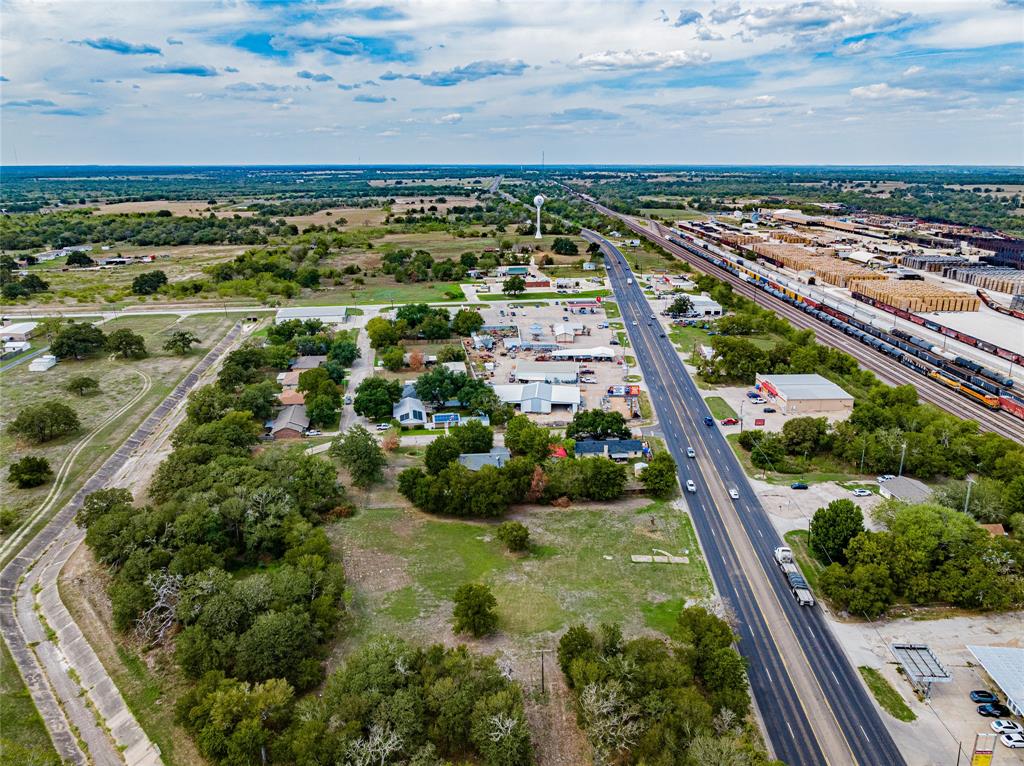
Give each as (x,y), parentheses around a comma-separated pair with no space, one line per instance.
(806,435)
(564,246)
(83,385)
(513,286)
(360,454)
(597,424)
(473,436)
(393,358)
(45,421)
(681,306)
(474,610)
(78,258)
(467,322)
(514,535)
(344,351)
(148,283)
(524,437)
(833,527)
(384,333)
(376,396)
(126,344)
(180,342)
(78,340)
(30,472)
(659,477)
(440,453)
(322,410)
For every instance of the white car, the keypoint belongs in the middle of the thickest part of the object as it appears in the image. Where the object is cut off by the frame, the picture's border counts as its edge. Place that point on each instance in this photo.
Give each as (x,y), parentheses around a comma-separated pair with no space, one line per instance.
(383,426)
(690,452)
(885,477)
(734,494)
(314,432)
(634,323)
(862,493)
(690,486)
(1003,726)
(1013,741)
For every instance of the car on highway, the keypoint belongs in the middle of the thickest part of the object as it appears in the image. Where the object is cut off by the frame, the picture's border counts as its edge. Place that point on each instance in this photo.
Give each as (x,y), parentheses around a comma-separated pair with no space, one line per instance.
(769,410)
(662,335)
(634,323)
(734,494)
(885,477)
(730,421)
(994,710)
(862,493)
(653,316)
(983,695)
(1012,741)
(1007,727)
(799,485)
(708,421)
(690,486)
(690,452)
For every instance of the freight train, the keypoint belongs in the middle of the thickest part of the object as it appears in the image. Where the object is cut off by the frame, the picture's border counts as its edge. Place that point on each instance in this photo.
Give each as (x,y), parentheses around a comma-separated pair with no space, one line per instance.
(965,376)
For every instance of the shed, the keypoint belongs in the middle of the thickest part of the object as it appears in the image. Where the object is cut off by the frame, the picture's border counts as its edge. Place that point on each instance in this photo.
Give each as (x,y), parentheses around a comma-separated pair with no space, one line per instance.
(42,363)
(19,331)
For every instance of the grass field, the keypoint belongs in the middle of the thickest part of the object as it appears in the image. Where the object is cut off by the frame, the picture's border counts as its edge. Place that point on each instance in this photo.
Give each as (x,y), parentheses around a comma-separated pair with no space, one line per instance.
(23,736)
(547,296)
(381,292)
(720,408)
(671,213)
(811,568)
(887,697)
(403,568)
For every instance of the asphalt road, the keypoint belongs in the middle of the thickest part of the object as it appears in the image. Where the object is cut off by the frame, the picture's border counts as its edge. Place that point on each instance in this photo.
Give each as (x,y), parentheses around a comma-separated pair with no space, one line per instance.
(813,704)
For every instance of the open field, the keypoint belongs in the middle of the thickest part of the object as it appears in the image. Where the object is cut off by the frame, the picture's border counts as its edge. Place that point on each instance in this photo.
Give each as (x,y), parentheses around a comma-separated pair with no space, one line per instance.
(672,214)
(383,291)
(23,736)
(150,379)
(354,216)
(194,208)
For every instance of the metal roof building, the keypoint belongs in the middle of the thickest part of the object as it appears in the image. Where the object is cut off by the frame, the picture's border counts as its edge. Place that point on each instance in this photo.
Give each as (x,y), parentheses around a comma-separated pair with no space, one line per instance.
(326,314)
(804,394)
(906,489)
(539,397)
(529,371)
(1005,664)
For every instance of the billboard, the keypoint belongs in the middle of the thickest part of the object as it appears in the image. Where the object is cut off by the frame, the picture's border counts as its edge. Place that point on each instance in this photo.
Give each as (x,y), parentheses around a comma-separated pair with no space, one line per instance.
(624,390)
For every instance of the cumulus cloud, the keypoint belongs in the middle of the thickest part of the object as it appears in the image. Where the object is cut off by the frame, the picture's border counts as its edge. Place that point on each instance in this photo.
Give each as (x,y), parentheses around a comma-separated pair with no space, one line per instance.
(475,70)
(189,70)
(882,91)
(705,33)
(450,119)
(257,87)
(231,69)
(114,45)
(610,61)
(823,21)
(305,74)
(583,114)
(720,14)
(366,98)
(370,47)
(688,16)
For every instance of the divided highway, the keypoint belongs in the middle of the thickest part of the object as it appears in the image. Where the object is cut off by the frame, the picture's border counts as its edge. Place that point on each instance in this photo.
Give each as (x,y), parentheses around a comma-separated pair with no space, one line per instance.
(813,704)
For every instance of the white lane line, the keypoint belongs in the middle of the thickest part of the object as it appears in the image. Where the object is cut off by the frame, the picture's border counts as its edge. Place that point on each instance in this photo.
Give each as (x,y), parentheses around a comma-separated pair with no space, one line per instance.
(790,730)
(865,733)
(835,677)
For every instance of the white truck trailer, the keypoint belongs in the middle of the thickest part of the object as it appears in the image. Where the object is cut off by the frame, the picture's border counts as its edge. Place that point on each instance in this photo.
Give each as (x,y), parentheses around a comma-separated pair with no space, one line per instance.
(797,584)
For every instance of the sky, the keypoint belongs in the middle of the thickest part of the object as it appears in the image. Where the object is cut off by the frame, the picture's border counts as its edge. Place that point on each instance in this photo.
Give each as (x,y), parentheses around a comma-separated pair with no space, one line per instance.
(473,81)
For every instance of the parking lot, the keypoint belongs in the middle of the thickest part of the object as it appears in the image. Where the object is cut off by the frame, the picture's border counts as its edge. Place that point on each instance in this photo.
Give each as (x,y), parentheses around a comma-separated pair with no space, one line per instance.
(537,323)
(745,408)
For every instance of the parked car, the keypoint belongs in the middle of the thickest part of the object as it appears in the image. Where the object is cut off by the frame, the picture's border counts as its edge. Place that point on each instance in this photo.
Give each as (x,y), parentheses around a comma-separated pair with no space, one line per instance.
(885,477)
(753,395)
(314,432)
(383,426)
(994,710)
(769,410)
(690,452)
(1012,741)
(983,695)
(348,399)
(1007,727)
(798,485)
(690,486)
(862,493)
(759,400)
(729,421)
(734,494)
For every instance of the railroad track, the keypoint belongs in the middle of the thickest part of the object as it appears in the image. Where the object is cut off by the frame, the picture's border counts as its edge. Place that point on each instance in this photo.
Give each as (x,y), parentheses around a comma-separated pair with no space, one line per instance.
(893,373)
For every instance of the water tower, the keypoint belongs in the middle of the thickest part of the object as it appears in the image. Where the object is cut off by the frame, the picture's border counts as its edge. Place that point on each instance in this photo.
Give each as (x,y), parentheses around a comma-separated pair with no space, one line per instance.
(537,202)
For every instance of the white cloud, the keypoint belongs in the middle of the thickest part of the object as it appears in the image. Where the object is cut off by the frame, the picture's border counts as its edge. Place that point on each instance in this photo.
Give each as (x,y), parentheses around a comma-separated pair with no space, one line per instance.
(450,119)
(882,91)
(910,71)
(610,60)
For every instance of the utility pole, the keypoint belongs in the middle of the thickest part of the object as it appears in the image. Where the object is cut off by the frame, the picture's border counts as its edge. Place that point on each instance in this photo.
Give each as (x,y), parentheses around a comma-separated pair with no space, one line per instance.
(863,451)
(967,497)
(903,454)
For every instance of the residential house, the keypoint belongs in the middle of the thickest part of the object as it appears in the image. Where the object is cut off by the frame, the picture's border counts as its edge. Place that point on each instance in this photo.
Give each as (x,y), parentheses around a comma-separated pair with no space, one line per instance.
(290,423)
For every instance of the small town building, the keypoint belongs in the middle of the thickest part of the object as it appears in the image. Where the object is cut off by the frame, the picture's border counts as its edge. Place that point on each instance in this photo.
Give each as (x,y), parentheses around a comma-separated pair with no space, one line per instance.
(529,371)
(409,412)
(19,331)
(615,449)
(564,333)
(42,363)
(540,398)
(290,397)
(290,423)
(705,306)
(329,315)
(288,379)
(905,489)
(474,461)
(595,354)
(804,394)
(308,362)
(457,367)
(12,347)
(1005,666)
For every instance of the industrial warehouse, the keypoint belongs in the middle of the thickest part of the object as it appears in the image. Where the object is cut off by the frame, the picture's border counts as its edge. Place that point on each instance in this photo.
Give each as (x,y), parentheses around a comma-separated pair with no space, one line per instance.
(801,394)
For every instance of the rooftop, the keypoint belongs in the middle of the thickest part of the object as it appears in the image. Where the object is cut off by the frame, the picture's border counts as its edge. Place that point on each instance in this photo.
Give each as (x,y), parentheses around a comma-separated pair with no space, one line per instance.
(1006,666)
(907,489)
(293,417)
(474,461)
(808,386)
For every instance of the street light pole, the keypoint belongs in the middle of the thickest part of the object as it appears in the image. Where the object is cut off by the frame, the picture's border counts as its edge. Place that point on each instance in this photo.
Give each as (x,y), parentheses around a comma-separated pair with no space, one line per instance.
(967,497)
(903,454)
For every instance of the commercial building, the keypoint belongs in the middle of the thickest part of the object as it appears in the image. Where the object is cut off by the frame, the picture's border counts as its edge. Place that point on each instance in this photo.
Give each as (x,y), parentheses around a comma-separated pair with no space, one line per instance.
(290,423)
(804,394)
(615,449)
(705,306)
(529,371)
(595,354)
(329,315)
(905,489)
(20,331)
(1005,666)
(540,398)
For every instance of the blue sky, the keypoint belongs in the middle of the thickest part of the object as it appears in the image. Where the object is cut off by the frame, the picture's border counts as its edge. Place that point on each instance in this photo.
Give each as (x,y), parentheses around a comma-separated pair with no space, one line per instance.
(471,81)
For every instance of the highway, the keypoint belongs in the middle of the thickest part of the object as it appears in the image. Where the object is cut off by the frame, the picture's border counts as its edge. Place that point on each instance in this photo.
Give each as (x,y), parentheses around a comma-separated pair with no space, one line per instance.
(888,370)
(811,700)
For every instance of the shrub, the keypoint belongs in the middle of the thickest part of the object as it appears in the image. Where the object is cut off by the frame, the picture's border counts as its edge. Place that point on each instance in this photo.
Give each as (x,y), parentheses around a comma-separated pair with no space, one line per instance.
(30,472)
(514,535)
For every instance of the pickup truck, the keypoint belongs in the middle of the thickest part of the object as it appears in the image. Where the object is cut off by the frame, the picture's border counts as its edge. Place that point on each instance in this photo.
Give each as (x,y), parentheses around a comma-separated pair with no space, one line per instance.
(797,584)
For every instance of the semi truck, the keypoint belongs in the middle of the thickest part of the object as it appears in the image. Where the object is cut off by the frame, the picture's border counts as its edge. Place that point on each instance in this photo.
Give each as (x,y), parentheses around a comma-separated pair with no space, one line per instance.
(797,584)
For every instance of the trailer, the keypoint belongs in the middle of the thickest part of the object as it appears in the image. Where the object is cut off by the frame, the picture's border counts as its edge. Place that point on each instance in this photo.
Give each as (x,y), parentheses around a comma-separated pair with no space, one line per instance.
(797,584)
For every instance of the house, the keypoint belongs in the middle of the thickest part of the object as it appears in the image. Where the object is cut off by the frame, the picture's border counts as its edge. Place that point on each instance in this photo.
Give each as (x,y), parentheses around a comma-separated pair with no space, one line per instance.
(308,362)
(529,371)
(616,449)
(474,461)
(291,396)
(905,489)
(457,367)
(42,363)
(540,398)
(288,379)
(20,331)
(12,347)
(290,423)
(409,412)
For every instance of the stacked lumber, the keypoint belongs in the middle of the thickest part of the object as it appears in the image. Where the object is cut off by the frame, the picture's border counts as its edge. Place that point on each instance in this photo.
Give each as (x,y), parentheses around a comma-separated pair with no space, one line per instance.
(915,296)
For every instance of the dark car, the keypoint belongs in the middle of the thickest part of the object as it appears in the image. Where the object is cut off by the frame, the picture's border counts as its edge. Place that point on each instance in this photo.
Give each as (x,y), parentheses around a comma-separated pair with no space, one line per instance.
(994,710)
(662,335)
(983,695)
(769,410)
(798,485)
(708,422)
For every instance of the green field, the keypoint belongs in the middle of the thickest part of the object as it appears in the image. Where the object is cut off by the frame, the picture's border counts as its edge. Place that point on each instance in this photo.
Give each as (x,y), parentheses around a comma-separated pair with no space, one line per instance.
(409,565)
(548,296)
(23,736)
(383,293)
(671,214)
(887,697)
(720,408)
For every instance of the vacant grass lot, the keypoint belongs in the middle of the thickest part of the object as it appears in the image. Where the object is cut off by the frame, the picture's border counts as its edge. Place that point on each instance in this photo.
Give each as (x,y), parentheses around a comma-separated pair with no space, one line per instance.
(404,566)
(23,736)
(887,697)
(720,408)
(382,290)
(119,381)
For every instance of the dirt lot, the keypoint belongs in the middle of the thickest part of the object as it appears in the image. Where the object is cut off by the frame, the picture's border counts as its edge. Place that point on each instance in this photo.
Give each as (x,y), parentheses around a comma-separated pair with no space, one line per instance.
(949,717)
